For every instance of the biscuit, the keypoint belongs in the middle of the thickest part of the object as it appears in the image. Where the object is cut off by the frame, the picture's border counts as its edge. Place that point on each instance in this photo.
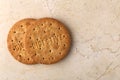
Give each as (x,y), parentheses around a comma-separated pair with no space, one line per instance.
(47,41)
(16,39)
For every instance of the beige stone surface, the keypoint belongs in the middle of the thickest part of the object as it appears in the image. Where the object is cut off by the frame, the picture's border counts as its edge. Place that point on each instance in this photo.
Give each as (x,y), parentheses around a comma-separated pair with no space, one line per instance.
(95,28)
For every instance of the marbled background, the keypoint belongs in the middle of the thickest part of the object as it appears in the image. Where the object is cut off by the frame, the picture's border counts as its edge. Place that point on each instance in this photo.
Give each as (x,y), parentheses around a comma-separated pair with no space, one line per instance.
(95,30)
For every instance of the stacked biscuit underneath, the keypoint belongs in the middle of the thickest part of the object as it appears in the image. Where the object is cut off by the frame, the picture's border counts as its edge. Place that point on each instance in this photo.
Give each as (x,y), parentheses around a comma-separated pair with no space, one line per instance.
(45,41)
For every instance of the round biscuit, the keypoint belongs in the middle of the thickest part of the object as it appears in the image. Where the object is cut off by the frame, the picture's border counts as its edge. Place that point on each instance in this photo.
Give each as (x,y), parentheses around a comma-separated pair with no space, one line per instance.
(47,40)
(16,39)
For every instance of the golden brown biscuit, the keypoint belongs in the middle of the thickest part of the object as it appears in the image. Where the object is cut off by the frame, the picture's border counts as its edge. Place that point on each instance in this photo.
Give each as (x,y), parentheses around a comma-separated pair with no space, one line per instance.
(48,41)
(16,39)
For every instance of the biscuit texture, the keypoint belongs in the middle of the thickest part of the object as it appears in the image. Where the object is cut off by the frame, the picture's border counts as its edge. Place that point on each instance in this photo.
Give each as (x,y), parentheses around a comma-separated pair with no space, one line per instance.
(16,41)
(47,41)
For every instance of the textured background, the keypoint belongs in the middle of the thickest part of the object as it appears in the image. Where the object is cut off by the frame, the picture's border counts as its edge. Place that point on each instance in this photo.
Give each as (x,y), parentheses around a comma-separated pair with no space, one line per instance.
(95,29)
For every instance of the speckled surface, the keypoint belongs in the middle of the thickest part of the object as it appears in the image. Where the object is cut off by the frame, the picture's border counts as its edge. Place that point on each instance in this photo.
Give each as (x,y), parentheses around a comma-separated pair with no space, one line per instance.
(95,29)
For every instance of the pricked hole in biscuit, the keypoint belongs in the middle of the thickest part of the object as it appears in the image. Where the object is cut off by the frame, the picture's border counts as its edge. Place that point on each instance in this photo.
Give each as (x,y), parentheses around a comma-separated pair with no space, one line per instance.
(50,51)
(19,55)
(11,40)
(60,53)
(14,49)
(35,54)
(29,37)
(63,35)
(21,26)
(23,32)
(14,31)
(57,43)
(64,45)
(59,28)
(33,29)
(43,58)
(41,24)
(54,34)
(50,24)
(52,58)
(37,39)
(40,48)
(44,31)
(28,59)
(19,41)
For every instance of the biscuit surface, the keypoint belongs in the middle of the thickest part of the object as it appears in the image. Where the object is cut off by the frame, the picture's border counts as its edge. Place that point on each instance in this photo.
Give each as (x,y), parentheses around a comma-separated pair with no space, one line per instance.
(16,39)
(47,40)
